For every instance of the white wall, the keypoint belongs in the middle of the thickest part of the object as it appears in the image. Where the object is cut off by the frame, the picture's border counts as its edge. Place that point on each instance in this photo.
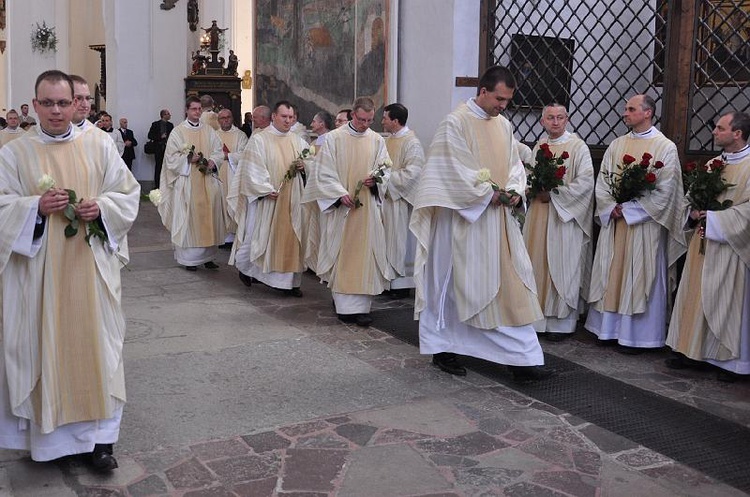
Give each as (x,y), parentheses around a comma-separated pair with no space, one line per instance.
(438,41)
(146,66)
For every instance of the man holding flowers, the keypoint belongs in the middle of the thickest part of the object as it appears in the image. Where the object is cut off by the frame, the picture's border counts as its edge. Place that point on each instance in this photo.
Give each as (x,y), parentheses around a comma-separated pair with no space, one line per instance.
(475,292)
(559,223)
(192,206)
(711,318)
(639,205)
(264,198)
(348,182)
(62,388)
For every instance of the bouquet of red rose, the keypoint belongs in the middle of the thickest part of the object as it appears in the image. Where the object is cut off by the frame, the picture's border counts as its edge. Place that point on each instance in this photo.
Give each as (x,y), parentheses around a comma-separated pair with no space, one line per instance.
(703,185)
(632,179)
(548,172)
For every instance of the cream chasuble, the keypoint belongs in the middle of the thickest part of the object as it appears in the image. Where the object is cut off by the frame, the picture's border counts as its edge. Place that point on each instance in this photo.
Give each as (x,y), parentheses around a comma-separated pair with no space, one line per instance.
(234,140)
(625,262)
(7,135)
(558,234)
(707,322)
(492,277)
(351,256)
(275,243)
(407,155)
(192,206)
(63,345)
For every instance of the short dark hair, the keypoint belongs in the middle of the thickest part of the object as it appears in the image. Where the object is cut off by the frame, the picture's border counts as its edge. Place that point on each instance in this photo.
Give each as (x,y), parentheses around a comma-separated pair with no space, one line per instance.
(327,119)
(397,112)
(495,75)
(348,113)
(191,100)
(741,121)
(53,76)
(285,103)
(163,112)
(79,79)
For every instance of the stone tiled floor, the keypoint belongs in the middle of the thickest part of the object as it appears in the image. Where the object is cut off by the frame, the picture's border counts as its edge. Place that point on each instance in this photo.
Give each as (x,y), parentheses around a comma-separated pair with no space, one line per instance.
(364,416)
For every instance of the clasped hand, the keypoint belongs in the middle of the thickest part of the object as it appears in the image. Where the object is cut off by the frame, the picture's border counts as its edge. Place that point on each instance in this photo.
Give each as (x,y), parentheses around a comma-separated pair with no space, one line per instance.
(501,197)
(56,199)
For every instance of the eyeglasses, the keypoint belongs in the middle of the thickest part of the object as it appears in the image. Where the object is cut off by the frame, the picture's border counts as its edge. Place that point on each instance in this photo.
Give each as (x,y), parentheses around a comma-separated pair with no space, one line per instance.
(83,97)
(51,103)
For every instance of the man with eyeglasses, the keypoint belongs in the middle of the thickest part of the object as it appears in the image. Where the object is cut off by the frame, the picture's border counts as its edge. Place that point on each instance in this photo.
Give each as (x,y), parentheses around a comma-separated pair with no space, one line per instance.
(13,130)
(62,388)
(83,100)
(348,182)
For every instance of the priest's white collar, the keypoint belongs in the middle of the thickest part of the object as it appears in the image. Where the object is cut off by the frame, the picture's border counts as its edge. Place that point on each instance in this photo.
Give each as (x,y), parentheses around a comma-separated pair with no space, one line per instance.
(192,124)
(17,129)
(85,124)
(476,109)
(353,131)
(275,131)
(652,131)
(560,139)
(50,138)
(735,157)
(401,132)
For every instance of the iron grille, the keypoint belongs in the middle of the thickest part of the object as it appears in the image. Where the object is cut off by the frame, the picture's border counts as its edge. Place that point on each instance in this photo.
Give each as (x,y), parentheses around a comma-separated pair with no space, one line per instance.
(592,55)
(722,66)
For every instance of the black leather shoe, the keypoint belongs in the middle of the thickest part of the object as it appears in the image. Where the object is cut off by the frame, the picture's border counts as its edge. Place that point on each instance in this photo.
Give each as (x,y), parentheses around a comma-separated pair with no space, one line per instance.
(530,374)
(246,280)
(211,265)
(556,337)
(347,318)
(102,458)
(294,292)
(448,362)
(624,349)
(192,269)
(727,376)
(226,246)
(679,361)
(363,320)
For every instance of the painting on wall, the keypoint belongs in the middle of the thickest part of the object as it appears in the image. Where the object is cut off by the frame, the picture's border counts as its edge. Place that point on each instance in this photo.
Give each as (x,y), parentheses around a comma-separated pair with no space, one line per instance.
(543,66)
(724,37)
(321,54)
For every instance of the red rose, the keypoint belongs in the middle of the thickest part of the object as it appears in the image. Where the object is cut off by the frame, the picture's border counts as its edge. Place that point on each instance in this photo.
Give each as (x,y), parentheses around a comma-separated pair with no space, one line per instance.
(548,153)
(564,155)
(647,156)
(704,167)
(544,146)
(717,164)
(658,165)
(560,172)
(644,164)
(650,178)
(628,159)
(690,167)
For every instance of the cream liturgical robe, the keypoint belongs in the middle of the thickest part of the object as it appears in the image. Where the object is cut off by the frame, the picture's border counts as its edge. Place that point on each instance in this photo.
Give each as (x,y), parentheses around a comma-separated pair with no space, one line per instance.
(629,278)
(475,285)
(711,318)
(233,141)
(269,235)
(7,135)
(351,256)
(558,237)
(192,206)
(61,375)
(407,155)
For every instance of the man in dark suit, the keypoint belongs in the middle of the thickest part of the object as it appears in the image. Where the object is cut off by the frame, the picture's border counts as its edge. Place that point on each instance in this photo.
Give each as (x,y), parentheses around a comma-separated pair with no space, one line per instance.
(159,133)
(130,143)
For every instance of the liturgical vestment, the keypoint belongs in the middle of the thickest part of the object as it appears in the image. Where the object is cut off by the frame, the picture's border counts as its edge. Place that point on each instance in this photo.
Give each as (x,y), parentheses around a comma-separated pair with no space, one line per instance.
(711,318)
(62,387)
(475,292)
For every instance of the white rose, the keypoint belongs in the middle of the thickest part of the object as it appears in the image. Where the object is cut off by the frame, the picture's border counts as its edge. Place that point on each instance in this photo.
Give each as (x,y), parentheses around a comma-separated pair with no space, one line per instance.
(312,149)
(483,175)
(155,197)
(46,182)
(185,149)
(388,163)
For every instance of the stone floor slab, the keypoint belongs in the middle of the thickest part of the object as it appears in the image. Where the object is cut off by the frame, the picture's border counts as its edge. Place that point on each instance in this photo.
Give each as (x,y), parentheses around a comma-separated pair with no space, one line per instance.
(391,470)
(430,417)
